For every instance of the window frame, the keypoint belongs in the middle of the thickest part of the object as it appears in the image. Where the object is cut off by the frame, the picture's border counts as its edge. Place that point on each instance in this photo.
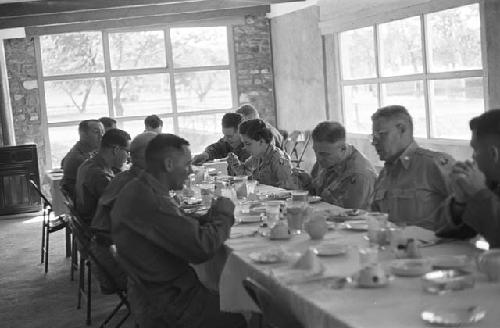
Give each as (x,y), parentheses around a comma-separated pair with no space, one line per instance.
(425,76)
(109,73)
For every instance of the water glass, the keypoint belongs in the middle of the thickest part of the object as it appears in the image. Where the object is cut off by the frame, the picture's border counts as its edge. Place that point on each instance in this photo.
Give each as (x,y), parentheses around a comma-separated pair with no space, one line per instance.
(296,214)
(207,193)
(251,186)
(272,212)
(300,195)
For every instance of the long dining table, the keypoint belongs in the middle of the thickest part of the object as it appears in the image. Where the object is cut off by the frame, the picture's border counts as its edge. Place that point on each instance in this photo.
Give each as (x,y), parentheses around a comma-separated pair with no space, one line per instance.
(316,304)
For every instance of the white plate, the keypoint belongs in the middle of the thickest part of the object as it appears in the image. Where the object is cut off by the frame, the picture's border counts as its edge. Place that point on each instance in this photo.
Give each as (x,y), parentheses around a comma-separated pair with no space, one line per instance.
(267,257)
(330,249)
(453,316)
(356,226)
(411,267)
(446,262)
(348,215)
(249,219)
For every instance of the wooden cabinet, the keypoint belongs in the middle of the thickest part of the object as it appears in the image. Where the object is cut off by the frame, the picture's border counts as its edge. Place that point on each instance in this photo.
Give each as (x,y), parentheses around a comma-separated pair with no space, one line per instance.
(18,164)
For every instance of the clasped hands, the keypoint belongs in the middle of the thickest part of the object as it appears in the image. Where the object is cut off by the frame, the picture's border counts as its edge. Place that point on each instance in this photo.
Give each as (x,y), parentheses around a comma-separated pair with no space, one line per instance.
(466,181)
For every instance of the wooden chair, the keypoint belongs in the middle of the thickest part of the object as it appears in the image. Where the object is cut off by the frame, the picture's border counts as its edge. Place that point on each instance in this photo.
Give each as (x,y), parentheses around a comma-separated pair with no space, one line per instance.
(74,250)
(83,236)
(48,226)
(296,146)
(274,313)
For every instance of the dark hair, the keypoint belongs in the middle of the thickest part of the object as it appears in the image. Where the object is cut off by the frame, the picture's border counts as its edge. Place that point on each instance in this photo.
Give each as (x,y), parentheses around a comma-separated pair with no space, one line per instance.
(248,110)
(84,125)
(231,120)
(153,121)
(393,111)
(160,147)
(115,137)
(108,122)
(329,132)
(256,130)
(486,124)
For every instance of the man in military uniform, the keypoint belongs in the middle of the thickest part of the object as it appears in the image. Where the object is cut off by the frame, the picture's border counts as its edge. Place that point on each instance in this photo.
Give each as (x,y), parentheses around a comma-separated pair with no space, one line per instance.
(414,181)
(156,243)
(248,112)
(341,175)
(230,143)
(95,174)
(91,132)
(475,204)
(101,223)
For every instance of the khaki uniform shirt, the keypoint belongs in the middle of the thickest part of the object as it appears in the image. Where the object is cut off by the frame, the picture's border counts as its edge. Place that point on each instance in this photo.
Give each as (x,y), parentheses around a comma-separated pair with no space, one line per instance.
(156,242)
(70,164)
(348,184)
(412,188)
(92,178)
(272,168)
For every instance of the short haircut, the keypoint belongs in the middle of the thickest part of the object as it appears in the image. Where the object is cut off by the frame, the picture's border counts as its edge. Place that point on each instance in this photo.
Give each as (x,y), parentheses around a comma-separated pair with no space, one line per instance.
(153,121)
(247,110)
(84,125)
(162,146)
(115,138)
(256,130)
(486,124)
(139,144)
(328,131)
(393,112)
(108,122)
(231,120)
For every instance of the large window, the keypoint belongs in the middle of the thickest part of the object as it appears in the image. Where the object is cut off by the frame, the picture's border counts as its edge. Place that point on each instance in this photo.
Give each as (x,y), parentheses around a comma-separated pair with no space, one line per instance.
(181,74)
(430,63)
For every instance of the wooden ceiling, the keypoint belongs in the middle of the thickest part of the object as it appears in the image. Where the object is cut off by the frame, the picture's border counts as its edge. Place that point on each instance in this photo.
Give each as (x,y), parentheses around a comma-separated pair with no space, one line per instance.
(100,14)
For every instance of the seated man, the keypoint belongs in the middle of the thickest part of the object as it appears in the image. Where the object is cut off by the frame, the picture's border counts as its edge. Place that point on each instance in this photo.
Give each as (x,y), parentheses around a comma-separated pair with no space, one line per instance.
(95,174)
(108,123)
(475,205)
(250,113)
(414,181)
(156,243)
(91,132)
(341,175)
(153,123)
(101,223)
(231,143)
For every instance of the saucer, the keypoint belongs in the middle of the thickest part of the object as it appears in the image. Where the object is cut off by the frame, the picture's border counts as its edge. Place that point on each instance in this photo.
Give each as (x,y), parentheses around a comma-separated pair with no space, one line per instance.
(314,199)
(410,267)
(268,257)
(359,226)
(330,249)
(453,316)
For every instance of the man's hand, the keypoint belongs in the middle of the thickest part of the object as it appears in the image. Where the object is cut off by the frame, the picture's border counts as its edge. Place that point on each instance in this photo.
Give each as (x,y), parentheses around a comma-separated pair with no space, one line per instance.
(200,159)
(468,180)
(302,177)
(223,206)
(232,159)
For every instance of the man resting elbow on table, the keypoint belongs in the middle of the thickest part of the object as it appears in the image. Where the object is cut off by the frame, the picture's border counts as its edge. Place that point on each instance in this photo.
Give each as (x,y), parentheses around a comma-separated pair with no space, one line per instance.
(415,181)
(267,164)
(475,204)
(156,243)
(341,175)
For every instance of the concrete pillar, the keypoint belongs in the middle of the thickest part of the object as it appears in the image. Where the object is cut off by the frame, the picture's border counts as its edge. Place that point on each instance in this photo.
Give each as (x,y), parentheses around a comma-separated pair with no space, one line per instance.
(492,63)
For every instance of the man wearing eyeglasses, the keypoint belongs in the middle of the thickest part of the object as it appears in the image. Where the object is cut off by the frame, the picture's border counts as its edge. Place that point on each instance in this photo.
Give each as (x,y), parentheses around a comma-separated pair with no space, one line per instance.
(94,175)
(414,181)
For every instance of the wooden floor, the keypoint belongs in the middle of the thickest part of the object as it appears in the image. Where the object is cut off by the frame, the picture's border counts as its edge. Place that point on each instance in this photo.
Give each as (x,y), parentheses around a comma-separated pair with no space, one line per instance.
(28,297)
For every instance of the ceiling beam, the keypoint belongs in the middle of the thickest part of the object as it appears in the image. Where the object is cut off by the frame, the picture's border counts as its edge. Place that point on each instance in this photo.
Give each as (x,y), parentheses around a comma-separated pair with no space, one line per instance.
(119,13)
(146,21)
(57,6)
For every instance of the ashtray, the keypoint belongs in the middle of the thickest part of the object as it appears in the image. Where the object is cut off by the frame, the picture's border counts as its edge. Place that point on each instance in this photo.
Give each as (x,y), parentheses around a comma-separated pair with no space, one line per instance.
(442,281)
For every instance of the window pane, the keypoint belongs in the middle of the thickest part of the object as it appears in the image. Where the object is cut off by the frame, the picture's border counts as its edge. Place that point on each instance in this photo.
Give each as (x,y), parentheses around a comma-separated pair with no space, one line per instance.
(203,90)
(72,53)
(135,127)
(200,130)
(141,94)
(411,95)
(199,46)
(75,100)
(61,141)
(137,50)
(401,47)
(357,53)
(453,104)
(454,39)
(360,102)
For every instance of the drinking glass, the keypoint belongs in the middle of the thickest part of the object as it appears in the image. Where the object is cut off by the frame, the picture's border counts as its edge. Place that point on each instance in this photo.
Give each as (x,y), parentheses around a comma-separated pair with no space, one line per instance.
(300,195)
(296,215)
(272,212)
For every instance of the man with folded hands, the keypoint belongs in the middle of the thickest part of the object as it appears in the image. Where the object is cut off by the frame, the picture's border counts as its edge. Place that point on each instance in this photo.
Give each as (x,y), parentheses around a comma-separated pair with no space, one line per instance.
(414,181)
(475,204)
(341,175)
(157,243)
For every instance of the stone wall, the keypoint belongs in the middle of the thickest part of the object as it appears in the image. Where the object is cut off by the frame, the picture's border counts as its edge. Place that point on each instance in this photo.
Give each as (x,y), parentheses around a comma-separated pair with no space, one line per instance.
(25,98)
(254,65)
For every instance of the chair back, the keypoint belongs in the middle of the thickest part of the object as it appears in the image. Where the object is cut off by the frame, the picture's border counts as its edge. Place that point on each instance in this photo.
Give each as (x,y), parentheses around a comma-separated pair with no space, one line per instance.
(275,314)
(46,202)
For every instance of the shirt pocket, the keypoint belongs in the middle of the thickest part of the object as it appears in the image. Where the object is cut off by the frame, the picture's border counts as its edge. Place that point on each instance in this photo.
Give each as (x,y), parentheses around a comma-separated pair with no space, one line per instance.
(403,205)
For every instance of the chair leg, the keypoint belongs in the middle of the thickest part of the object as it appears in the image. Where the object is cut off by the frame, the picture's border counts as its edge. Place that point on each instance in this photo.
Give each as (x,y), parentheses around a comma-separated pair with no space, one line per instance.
(81,282)
(74,259)
(68,242)
(47,234)
(89,294)
(42,249)
(111,315)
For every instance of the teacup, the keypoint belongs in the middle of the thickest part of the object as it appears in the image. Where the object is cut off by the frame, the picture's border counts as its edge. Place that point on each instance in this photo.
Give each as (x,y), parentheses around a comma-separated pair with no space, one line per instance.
(489,264)
(316,227)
